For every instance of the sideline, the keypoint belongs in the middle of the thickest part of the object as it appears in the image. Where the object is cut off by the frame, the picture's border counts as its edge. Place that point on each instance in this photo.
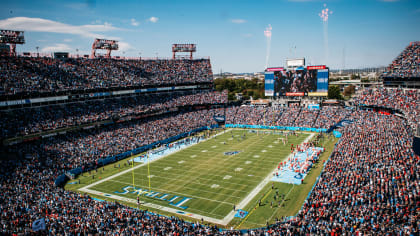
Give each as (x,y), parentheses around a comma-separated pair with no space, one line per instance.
(223,221)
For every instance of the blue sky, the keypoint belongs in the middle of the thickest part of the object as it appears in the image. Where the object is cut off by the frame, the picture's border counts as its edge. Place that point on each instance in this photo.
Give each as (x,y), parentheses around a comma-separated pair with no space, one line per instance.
(369,32)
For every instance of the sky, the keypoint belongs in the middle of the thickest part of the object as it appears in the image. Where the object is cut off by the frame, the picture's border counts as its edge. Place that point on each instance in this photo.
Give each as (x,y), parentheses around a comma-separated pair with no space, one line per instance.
(357,34)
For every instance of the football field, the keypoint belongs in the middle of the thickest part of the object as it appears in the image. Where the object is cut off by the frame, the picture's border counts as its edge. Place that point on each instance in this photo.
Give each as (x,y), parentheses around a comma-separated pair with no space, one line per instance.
(205,180)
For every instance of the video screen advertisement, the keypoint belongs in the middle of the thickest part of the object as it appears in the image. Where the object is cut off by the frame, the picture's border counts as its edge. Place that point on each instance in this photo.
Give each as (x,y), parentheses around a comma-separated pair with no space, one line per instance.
(312,81)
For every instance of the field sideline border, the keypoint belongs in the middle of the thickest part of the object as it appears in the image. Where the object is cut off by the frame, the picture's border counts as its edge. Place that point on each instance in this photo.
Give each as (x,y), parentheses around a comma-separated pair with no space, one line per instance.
(223,221)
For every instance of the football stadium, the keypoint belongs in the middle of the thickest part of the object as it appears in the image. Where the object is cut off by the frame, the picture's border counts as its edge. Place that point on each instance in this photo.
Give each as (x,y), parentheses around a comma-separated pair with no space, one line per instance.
(100,144)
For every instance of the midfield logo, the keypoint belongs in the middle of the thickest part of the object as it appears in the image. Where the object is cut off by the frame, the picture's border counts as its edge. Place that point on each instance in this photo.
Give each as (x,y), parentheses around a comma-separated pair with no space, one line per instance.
(174,200)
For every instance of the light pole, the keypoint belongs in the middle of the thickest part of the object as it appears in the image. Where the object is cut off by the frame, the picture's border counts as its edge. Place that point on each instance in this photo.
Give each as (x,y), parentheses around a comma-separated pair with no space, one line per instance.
(37,53)
(77,52)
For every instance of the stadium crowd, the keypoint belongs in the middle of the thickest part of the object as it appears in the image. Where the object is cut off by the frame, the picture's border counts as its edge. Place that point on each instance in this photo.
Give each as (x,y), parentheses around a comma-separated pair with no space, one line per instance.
(282,116)
(27,190)
(370,185)
(26,75)
(407,64)
(26,121)
(405,100)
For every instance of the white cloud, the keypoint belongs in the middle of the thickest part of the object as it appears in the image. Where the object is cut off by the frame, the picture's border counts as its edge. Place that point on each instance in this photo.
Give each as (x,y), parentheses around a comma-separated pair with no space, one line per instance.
(247,35)
(124,47)
(238,21)
(134,22)
(44,25)
(153,19)
(59,47)
(68,40)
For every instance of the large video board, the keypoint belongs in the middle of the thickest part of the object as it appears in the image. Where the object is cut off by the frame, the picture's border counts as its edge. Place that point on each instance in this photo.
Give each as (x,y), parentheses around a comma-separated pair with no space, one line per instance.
(310,81)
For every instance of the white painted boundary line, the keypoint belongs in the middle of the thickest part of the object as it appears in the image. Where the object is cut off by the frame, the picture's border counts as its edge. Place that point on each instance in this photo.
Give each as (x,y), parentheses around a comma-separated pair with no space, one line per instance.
(136,167)
(259,187)
(224,221)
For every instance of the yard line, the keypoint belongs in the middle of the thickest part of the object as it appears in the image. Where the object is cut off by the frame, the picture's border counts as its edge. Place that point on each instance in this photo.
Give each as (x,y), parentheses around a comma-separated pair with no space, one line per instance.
(136,167)
(264,159)
(159,207)
(257,189)
(182,194)
(162,177)
(281,203)
(221,179)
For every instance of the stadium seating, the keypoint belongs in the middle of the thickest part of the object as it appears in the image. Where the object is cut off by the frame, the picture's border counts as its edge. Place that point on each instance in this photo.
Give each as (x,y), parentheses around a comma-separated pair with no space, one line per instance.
(18,122)
(405,100)
(407,64)
(368,186)
(31,75)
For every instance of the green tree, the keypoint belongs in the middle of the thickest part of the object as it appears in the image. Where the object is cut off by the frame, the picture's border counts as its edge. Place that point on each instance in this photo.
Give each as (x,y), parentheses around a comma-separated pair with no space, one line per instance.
(334,92)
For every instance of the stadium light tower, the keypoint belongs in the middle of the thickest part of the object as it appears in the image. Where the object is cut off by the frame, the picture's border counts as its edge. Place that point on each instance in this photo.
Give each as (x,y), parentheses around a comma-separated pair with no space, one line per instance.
(105,44)
(188,48)
(12,38)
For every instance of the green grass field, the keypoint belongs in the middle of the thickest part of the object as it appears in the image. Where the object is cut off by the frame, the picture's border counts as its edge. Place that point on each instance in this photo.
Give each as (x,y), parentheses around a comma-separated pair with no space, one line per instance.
(211,181)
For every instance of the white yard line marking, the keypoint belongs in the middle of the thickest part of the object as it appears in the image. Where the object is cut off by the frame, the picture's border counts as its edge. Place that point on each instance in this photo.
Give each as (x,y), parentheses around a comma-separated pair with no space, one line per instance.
(159,207)
(177,185)
(284,199)
(224,221)
(178,193)
(214,186)
(227,177)
(257,189)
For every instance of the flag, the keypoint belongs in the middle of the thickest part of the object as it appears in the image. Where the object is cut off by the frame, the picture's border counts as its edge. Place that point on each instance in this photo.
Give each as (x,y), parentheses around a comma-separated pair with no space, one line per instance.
(38,225)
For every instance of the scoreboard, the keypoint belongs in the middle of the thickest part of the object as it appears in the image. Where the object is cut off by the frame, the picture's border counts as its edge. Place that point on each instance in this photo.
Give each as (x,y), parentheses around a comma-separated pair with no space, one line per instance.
(300,81)
(105,44)
(11,36)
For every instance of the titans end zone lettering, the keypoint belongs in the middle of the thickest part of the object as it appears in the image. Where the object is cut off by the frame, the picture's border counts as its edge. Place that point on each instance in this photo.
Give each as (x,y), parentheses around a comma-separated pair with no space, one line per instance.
(175,200)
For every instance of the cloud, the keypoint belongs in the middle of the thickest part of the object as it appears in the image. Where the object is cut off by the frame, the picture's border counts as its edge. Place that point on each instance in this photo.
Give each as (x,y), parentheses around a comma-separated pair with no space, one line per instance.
(153,19)
(125,47)
(134,22)
(68,40)
(238,21)
(247,35)
(59,47)
(44,25)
